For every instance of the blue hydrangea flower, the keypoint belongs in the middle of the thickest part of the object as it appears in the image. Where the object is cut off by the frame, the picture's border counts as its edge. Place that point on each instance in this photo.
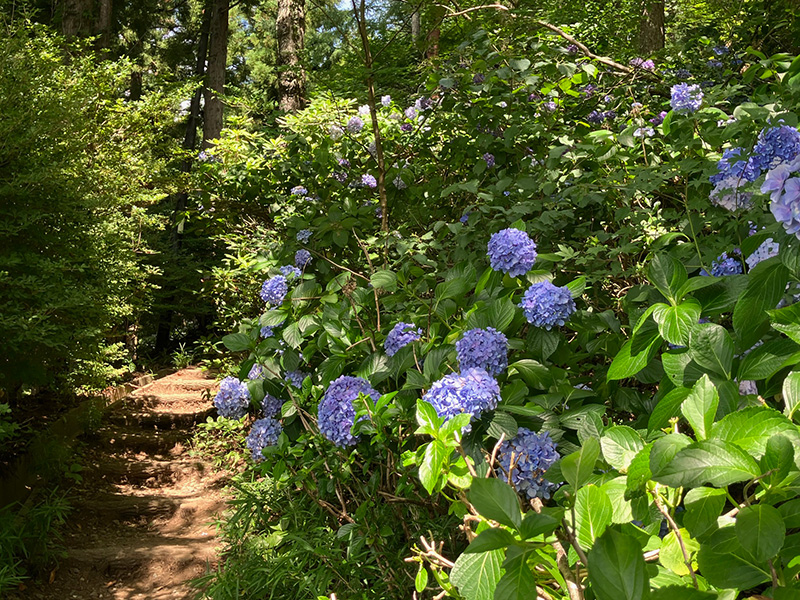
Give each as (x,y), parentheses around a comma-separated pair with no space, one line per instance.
(686,98)
(659,118)
(489,158)
(264,432)
(271,405)
(340,176)
(511,251)
(465,217)
(274,289)
(729,166)
(232,399)
(290,271)
(299,190)
(474,391)
(336,414)
(303,236)
(550,106)
(748,387)
(784,192)
(295,378)
(775,145)
(485,349)
(572,49)
(714,64)
(595,117)
(369,181)
(411,113)
(724,265)
(355,124)
(720,50)
(768,249)
(644,132)
(401,335)
(640,63)
(267,331)
(532,455)
(546,305)
(256,372)
(682,74)
(302,258)
(386,100)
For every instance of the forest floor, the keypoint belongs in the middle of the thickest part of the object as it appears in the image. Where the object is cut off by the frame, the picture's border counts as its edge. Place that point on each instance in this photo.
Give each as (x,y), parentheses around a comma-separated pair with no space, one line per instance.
(143,519)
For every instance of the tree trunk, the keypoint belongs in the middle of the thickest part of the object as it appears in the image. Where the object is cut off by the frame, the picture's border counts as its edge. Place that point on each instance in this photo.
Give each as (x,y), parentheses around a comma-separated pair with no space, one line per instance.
(435,33)
(416,27)
(215,75)
(290,28)
(651,27)
(104,25)
(76,18)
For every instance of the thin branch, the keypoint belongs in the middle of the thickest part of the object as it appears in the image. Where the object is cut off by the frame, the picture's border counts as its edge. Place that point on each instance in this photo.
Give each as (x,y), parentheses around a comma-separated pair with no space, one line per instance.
(494,453)
(674,526)
(469,10)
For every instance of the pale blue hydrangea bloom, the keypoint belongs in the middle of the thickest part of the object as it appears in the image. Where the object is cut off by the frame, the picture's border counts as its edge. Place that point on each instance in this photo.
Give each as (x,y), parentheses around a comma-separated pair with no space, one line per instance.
(232,399)
(484,349)
(644,132)
(775,145)
(303,236)
(532,454)
(474,391)
(686,98)
(386,100)
(336,414)
(336,132)
(274,289)
(511,251)
(290,271)
(401,335)
(355,124)
(295,378)
(748,387)
(363,110)
(271,405)
(264,432)
(256,372)
(411,113)
(302,258)
(546,305)
(299,190)
(489,158)
(267,331)
(784,194)
(768,249)
(369,181)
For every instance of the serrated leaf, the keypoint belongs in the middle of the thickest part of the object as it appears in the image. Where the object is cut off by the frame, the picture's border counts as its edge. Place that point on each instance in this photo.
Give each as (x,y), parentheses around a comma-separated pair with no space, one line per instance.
(765,287)
(791,393)
(667,274)
(518,580)
(711,347)
(620,444)
(579,466)
(237,342)
(617,570)
(593,513)
(787,321)
(430,471)
(492,538)
(476,575)
(713,462)
(495,500)
(384,279)
(763,362)
(703,507)
(760,530)
(635,353)
(675,323)
(668,407)
(751,428)
(700,407)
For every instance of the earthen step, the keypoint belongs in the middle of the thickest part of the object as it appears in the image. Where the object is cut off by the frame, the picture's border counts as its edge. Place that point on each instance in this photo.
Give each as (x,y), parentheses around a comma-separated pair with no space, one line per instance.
(137,471)
(186,385)
(161,420)
(154,441)
(122,508)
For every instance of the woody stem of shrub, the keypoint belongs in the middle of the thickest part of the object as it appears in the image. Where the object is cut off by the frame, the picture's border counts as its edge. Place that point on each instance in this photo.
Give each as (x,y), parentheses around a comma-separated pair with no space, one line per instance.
(574,588)
(674,526)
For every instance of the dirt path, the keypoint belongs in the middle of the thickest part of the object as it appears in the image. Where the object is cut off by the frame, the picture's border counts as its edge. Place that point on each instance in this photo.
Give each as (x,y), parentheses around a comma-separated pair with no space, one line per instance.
(143,522)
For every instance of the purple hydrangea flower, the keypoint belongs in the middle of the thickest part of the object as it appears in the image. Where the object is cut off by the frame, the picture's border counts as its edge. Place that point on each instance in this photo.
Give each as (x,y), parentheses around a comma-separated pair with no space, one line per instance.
(595,117)
(264,432)
(502,104)
(644,132)
(546,305)
(340,176)
(572,49)
(369,181)
(302,258)
(336,414)
(303,236)
(271,405)
(724,265)
(355,124)
(406,127)
(232,399)
(386,100)
(295,378)
(489,158)
(363,110)
(411,113)
(775,145)
(550,106)
(784,192)
(748,387)
(299,190)
(256,372)
(485,349)
(714,64)
(274,289)
(768,249)
(682,74)
(474,391)
(343,162)
(640,63)
(465,217)
(511,251)
(267,331)
(659,118)
(532,455)
(686,98)
(401,335)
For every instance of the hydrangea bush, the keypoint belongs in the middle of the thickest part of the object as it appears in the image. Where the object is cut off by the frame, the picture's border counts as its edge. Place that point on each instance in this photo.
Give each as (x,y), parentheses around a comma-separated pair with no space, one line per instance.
(588,410)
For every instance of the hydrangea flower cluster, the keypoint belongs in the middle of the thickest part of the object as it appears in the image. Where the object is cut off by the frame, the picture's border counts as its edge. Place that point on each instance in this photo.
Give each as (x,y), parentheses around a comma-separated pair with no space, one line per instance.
(775,145)
(686,98)
(473,391)
(369,181)
(784,194)
(256,372)
(363,110)
(767,249)
(682,74)
(465,217)
(336,132)
(489,158)
(640,63)
(546,305)
(401,335)
(303,236)
(271,405)
(386,100)
(533,454)
(406,127)
(715,64)
(355,124)
(299,190)
(302,258)
(485,349)
(659,118)
(724,265)
(274,289)
(748,387)
(264,432)
(336,414)
(267,331)
(511,251)
(232,399)
(290,271)
(410,113)
(399,183)
(642,132)
(296,378)
(597,116)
